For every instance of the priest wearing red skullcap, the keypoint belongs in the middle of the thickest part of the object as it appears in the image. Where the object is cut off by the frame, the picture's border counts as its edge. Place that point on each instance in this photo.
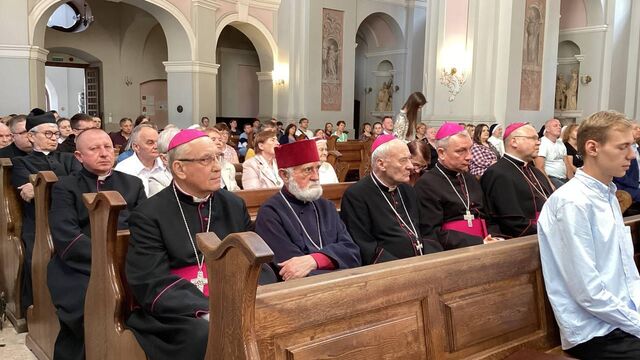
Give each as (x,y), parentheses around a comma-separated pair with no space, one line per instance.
(515,189)
(381,210)
(164,268)
(452,210)
(303,229)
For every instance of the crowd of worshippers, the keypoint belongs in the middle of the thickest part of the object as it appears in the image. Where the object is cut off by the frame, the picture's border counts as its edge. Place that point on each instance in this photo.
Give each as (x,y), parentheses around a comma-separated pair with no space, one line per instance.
(428,190)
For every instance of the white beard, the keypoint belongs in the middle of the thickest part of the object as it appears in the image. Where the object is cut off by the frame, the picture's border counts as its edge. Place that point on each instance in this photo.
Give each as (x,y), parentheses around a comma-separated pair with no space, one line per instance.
(313,191)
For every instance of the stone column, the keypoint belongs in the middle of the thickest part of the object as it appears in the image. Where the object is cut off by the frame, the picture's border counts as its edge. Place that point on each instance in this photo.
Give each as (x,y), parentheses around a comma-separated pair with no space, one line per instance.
(267,102)
(188,86)
(22,71)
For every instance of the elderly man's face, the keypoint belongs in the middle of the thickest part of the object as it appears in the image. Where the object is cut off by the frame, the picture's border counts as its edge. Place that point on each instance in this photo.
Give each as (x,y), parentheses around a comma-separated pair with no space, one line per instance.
(198,166)
(65,128)
(322,150)
(304,182)
(396,164)
(95,151)
(5,136)
(146,146)
(45,137)
(457,155)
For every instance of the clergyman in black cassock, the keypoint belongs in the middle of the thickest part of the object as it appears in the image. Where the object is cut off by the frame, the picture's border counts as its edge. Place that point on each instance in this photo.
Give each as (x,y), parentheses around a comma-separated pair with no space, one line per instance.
(383,216)
(42,158)
(450,198)
(69,269)
(171,322)
(514,188)
(302,229)
(20,145)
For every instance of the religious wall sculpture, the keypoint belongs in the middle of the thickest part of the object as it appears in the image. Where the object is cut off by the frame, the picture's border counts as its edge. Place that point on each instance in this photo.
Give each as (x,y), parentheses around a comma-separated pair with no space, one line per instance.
(332,33)
(567,94)
(384,102)
(532,51)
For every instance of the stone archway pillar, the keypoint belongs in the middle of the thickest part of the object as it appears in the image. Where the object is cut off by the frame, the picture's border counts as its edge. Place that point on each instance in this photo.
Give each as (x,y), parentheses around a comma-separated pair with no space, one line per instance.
(266,100)
(22,68)
(185,83)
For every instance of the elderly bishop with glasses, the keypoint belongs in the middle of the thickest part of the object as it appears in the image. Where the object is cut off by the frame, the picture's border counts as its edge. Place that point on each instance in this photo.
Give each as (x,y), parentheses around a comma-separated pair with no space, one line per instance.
(164,268)
(514,188)
(43,134)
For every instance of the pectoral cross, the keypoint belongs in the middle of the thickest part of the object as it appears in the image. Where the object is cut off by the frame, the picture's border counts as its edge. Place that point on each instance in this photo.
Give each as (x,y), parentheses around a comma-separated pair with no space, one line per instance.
(419,247)
(200,281)
(469,218)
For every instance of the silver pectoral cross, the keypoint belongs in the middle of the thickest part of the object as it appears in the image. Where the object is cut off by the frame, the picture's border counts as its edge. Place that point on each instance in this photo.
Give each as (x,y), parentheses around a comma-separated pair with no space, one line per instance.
(469,218)
(419,247)
(200,281)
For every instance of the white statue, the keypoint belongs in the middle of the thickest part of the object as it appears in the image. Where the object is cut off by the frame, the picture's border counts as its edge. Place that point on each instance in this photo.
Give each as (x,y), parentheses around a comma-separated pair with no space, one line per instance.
(561,88)
(383,103)
(572,91)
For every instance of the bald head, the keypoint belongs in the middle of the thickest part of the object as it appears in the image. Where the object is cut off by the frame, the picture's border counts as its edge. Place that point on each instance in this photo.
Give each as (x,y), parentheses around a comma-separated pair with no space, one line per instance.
(552,129)
(391,163)
(94,149)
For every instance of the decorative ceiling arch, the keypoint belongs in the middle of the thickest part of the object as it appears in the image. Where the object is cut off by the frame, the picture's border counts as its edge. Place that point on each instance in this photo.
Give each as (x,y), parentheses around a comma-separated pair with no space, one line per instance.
(259,35)
(381,30)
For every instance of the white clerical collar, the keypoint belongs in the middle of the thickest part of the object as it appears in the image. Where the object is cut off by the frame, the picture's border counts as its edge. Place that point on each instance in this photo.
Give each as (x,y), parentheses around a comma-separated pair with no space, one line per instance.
(102,177)
(390,188)
(516,158)
(195,198)
(42,151)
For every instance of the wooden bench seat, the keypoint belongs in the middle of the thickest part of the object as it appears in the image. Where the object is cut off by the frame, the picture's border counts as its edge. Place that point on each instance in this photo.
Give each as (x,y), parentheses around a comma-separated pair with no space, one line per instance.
(253,199)
(43,321)
(11,248)
(355,155)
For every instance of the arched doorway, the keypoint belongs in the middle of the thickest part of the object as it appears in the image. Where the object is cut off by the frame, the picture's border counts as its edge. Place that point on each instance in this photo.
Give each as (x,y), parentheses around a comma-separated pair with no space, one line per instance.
(161,20)
(252,37)
(379,54)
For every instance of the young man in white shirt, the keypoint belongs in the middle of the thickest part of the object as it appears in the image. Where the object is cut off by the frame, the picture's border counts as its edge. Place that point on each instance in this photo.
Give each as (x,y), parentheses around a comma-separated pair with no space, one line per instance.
(587,252)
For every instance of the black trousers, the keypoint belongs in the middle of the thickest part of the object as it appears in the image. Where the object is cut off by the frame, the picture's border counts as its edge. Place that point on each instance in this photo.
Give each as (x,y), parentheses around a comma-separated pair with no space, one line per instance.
(615,345)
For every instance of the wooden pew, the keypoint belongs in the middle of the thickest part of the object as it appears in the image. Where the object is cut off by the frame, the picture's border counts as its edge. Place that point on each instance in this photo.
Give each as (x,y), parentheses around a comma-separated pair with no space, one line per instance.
(11,248)
(109,300)
(355,153)
(255,198)
(484,302)
(43,321)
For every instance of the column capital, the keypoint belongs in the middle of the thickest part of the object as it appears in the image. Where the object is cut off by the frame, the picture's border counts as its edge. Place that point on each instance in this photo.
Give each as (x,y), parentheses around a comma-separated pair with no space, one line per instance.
(265,75)
(207,4)
(23,52)
(191,67)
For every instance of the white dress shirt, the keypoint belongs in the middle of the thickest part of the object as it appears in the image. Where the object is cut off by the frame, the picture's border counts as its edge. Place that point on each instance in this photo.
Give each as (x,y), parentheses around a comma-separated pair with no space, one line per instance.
(133,166)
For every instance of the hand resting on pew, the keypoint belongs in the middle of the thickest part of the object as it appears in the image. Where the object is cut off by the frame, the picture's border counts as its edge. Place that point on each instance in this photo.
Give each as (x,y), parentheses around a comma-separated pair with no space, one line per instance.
(297,267)
(26,192)
(489,239)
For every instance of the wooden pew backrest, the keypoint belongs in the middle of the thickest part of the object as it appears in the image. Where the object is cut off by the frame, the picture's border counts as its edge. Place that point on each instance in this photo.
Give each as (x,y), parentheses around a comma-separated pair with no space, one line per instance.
(11,248)
(108,302)
(253,199)
(43,321)
(484,302)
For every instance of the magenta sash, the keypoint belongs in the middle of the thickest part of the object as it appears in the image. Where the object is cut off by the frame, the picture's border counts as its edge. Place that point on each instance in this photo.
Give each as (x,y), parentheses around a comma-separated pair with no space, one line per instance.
(478,228)
(191,272)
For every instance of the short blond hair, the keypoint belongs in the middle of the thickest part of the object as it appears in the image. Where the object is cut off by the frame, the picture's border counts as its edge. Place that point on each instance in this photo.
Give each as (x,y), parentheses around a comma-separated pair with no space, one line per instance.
(598,126)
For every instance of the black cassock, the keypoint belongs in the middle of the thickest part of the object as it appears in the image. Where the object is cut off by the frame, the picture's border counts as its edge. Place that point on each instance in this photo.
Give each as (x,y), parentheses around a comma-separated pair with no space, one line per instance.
(376,228)
(11,151)
(439,204)
(513,201)
(279,228)
(69,269)
(61,164)
(168,323)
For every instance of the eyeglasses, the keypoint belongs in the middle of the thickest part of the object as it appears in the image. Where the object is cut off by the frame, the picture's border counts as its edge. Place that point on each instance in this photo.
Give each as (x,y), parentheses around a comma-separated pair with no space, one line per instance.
(532,137)
(20,133)
(205,161)
(50,134)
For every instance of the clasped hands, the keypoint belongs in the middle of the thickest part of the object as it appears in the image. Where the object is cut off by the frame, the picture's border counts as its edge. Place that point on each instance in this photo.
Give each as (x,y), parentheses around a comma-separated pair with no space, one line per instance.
(297,267)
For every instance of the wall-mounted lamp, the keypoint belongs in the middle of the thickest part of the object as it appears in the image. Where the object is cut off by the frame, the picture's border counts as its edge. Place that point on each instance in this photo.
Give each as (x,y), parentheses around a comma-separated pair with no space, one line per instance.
(127,81)
(585,79)
(453,80)
(280,74)
(278,82)
(85,18)
(368,90)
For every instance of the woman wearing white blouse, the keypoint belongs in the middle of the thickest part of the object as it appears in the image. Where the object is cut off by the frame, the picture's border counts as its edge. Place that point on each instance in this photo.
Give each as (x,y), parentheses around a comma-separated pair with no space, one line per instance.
(405,124)
(327,172)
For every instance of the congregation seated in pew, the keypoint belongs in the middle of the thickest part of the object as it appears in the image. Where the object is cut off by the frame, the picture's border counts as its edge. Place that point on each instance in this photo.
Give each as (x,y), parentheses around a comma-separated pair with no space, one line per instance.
(303,229)
(69,270)
(227,169)
(261,171)
(43,133)
(164,269)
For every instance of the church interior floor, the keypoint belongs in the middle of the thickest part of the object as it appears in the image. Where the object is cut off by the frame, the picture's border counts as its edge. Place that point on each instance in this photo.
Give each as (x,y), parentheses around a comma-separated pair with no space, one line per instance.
(12,345)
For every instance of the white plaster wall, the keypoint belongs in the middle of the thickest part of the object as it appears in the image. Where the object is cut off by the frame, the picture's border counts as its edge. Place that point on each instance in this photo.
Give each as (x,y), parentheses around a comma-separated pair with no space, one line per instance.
(622,18)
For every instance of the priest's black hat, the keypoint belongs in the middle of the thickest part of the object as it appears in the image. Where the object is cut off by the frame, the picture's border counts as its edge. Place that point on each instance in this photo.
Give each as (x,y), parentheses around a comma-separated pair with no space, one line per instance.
(35,120)
(36,111)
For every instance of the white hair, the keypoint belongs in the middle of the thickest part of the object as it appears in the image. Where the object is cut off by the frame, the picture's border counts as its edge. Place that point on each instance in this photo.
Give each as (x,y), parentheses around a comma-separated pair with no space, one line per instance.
(165,138)
(444,142)
(382,151)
